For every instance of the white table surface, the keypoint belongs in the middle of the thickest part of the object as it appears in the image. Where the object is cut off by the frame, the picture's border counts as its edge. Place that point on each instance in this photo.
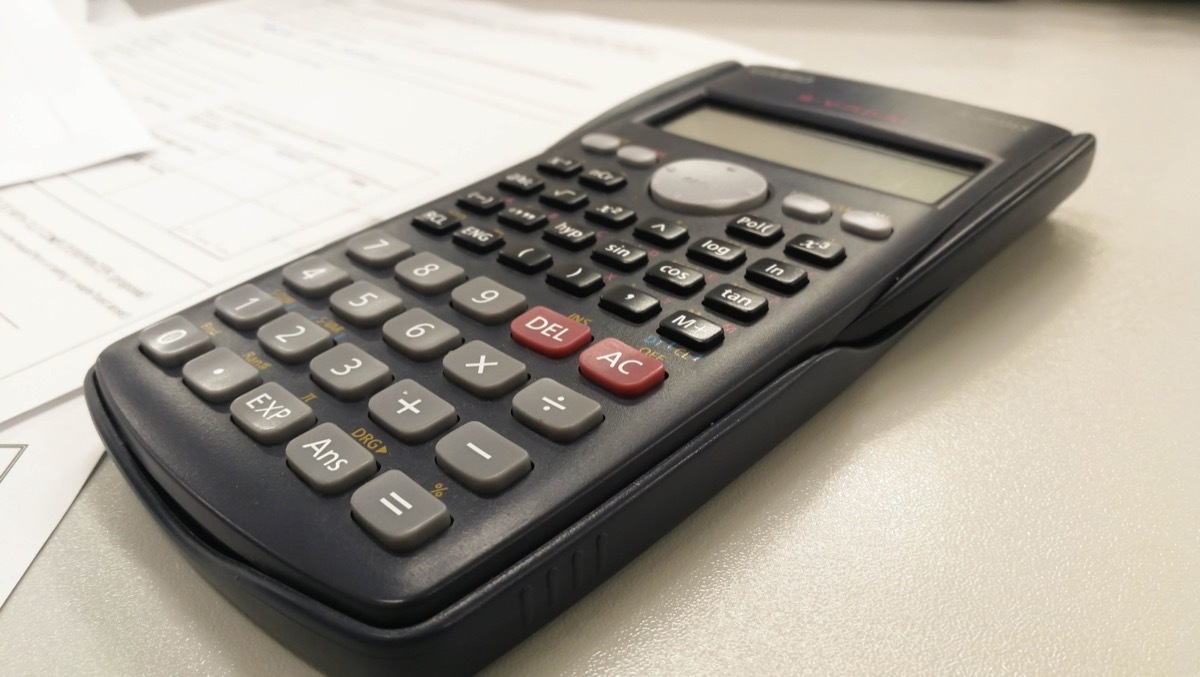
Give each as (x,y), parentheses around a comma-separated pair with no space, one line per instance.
(1013,489)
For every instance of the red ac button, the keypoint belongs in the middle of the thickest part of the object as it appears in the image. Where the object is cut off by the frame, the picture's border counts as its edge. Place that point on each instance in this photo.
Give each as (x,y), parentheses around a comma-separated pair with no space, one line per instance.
(620,369)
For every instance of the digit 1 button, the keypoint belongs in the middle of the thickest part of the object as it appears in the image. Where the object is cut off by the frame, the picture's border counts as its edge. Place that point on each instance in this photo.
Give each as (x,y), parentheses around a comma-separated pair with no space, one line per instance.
(482,459)
(329,460)
(549,333)
(349,372)
(815,250)
(314,277)
(293,338)
(246,307)
(487,301)
(555,411)
(620,369)
(429,273)
(398,512)
(220,375)
(173,341)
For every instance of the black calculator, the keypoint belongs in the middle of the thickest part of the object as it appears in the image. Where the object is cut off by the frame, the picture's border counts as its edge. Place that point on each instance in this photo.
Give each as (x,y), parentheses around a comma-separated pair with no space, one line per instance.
(408,450)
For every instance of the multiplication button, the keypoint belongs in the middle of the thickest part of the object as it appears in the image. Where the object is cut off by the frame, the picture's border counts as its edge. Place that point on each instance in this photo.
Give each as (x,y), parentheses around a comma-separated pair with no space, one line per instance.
(247,307)
(483,371)
(329,460)
(398,512)
(482,459)
(555,411)
(411,412)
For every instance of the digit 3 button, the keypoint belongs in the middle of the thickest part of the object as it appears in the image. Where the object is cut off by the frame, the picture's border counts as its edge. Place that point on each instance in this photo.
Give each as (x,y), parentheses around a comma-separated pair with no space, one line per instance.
(621,369)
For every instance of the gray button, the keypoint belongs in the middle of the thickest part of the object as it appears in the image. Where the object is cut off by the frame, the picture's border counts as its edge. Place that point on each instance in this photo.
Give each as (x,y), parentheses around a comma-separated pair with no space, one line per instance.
(487,301)
(314,277)
(871,225)
(247,306)
(429,274)
(220,375)
(707,187)
(329,460)
(482,459)
(174,341)
(349,372)
(555,410)
(420,335)
(398,512)
(637,156)
(411,412)
(293,338)
(271,414)
(483,370)
(605,144)
(377,249)
(365,304)
(807,207)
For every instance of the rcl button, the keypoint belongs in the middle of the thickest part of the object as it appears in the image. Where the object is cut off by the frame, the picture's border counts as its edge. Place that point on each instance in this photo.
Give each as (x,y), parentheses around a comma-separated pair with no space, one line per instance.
(549,333)
(621,369)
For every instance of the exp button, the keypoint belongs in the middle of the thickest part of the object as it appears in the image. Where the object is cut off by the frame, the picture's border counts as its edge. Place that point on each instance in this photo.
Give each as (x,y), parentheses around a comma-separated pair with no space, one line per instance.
(549,333)
(621,369)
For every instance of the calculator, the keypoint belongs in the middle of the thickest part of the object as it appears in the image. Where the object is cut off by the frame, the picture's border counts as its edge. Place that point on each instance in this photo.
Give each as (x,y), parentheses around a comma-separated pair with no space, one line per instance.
(408,450)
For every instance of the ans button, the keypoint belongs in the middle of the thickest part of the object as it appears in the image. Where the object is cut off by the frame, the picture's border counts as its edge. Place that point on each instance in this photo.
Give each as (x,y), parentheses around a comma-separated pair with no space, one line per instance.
(621,369)
(549,333)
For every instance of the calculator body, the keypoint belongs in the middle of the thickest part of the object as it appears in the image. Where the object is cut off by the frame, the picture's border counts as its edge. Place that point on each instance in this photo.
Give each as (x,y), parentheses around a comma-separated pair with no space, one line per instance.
(752,240)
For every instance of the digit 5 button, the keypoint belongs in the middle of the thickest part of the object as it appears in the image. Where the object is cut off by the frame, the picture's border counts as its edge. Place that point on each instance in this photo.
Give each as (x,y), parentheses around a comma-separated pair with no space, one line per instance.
(621,369)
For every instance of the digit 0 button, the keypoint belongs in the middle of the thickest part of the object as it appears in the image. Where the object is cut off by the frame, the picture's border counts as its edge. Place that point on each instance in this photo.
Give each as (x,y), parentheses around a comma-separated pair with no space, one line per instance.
(398,512)
(549,333)
(620,369)
(173,341)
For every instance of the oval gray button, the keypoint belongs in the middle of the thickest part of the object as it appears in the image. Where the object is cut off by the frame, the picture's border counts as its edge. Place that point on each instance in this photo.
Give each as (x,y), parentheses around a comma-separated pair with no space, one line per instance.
(707,187)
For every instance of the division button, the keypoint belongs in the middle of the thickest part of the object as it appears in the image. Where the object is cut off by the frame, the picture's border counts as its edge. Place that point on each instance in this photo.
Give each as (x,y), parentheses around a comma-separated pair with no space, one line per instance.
(603,179)
(549,333)
(717,253)
(871,225)
(637,156)
(173,341)
(661,232)
(329,460)
(621,369)
(436,222)
(603,144)
(411,412)
(482,459)
(573,279)
(738,303)
(555,411)
(483,371)
(420,335)
(314,277)
(777,275)
(377,249)
(691,330)
(807,207)
(478,240)
(270,414)
(755,229)
(675,277)
(560,165)
(365,304)
(620,255)
(348,372)
(219,375)
(247,306)
(397,512)
(294,338)
(429,273)
(610,214)
(567,199)
(522,218)
(699,186)
(521,183)
(569,236)
(815,250)
(480,202)
(526,259)
(487,301)
(630,303)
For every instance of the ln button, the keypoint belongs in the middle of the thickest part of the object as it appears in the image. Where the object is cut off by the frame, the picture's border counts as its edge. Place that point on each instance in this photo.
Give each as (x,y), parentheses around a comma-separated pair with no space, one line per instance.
(620,369)
(550,333)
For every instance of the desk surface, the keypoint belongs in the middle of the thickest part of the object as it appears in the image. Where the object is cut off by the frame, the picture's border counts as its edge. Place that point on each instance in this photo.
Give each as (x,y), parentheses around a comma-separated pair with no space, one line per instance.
(1012,489)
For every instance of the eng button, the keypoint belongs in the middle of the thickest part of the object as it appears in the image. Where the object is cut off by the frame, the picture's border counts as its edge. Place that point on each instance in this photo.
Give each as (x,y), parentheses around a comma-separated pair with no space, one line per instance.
(621,369)
(549,333)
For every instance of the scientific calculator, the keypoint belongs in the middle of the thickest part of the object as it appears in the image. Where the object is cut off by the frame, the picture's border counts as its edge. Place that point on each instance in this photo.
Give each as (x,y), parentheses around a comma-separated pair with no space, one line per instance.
(408,450)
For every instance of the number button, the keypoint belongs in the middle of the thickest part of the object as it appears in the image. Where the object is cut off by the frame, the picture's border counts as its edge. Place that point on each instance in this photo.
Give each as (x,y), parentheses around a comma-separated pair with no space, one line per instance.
(314,277)
(397,512)
(555,411)
(429,274)
(377,249)
(348,372)
(329,460)
(270,414)
(173,341)
(675,277)
(487,301)
(247,306)
(220,375)
(293,338)
(411,412)
(421,336)
(365,304)
(483,371)
(816,250)
(482,459)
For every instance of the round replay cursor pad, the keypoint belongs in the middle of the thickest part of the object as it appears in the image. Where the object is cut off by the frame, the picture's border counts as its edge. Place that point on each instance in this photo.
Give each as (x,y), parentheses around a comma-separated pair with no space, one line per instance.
(707,187)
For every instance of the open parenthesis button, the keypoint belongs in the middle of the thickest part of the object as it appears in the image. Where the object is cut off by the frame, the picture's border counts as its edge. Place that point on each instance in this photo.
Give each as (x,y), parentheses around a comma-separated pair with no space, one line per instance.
(549,333)
(621,369)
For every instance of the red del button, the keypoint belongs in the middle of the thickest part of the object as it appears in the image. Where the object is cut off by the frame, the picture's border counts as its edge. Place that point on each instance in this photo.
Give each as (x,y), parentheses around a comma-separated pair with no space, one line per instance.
(549,333)
(621,369)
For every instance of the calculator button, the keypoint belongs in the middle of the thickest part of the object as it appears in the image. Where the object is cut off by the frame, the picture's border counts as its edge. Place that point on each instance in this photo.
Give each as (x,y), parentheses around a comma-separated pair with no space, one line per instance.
(420,335)
(637,156)
(661,232)
(755,229)
(411,412)
(270,414)
(478,240)
(365,304)
(173,341)
(247,306)
(603,179)
(483,371)
(569,236)
(377,249)
(815,250)
(480,202)
(314,277)
(549,333)
(568,199)
(294,338)
(555,411)
(521,183)
(699,186)
(348,372)
(736,302)
(436,222)
(525,259)
(604,144)
(487,301)
(692,331)
(429,273)
(630,303)
(329,460)
(610,214)
(620,255)
(872,225)
(482,459)
(522,218)
(807,207)
(717,253)
(219,375)
(397,512)
(621,369)
(560,165)
(675,277)
(777,275)
(574,279)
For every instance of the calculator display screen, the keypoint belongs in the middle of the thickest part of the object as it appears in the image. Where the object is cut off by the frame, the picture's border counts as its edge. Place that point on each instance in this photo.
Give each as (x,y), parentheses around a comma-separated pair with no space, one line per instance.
(883,169)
